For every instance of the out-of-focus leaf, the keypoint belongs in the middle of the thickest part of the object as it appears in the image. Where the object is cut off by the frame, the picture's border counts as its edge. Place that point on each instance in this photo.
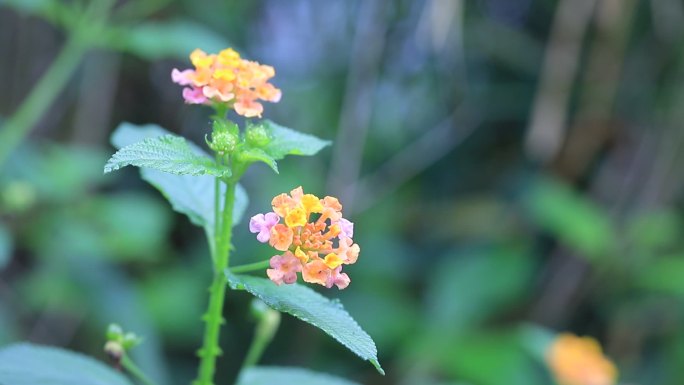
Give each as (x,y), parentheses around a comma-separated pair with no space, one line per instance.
(536,340)
(489,358)
(515,47)
(309,306)
(655,230)
(76,285)
(27,364)
(168,153)
(286,141)
(55,11)
(161,300)
(189,195)
(663,275)
(51,172)
(5,246)
(469,286)
(121,227)
(399,314)
(111,297)
(574,219)
(175,38)
(264,375)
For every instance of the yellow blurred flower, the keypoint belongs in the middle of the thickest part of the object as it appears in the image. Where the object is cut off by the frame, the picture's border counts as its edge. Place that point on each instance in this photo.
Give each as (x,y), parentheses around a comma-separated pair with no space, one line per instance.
(577,360)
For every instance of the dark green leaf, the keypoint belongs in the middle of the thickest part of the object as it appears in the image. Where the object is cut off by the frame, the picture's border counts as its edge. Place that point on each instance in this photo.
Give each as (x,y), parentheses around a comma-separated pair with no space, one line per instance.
(189,195)
(166,153)
(656,230)
(663,275)
(27,364)
(573,218)
(458,299)
(264,375)
(309,306)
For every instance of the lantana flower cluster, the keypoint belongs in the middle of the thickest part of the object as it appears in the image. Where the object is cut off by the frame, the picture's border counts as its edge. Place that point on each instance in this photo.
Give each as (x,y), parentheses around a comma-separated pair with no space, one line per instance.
(227,78)
(314,237)
(580,361)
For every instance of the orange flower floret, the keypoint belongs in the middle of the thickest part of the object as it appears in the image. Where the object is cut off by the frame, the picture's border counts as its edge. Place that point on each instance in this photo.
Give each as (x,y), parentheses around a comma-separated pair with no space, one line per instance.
(281,237)
(227,78)
(314,235)
(577,360)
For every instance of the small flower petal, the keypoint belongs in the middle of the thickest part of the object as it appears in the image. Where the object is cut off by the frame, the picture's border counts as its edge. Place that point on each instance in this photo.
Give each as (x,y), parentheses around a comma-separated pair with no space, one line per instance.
(193,96)
(182,78)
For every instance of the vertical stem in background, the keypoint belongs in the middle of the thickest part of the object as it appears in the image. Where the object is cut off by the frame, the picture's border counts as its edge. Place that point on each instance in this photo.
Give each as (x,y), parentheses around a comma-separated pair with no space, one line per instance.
(265,330)
(41,97)
(214,318)
(548,117)
(81,37)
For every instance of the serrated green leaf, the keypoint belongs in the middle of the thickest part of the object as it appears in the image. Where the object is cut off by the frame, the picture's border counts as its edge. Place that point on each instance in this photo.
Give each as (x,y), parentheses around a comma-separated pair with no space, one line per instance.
(286,141)
(167,153)
(309,306)
(258,155)
(189,195)
(265,375)
(162,39)
(27,364)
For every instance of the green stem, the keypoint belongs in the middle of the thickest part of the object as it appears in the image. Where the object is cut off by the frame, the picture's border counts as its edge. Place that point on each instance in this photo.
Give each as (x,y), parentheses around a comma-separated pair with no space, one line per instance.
(41,96)
(214,316)
(251,267)
(265,330)
(134,371)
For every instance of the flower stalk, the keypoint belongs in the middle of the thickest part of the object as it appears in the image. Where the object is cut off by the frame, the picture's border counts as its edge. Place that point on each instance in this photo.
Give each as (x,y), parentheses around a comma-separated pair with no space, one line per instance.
(214,316)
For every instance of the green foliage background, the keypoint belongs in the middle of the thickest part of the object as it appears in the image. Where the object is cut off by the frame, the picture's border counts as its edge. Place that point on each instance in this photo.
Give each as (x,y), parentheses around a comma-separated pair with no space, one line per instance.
(484,226)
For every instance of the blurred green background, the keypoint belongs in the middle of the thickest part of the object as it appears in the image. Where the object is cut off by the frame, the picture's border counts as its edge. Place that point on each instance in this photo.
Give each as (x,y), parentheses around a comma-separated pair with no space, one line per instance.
(511,167)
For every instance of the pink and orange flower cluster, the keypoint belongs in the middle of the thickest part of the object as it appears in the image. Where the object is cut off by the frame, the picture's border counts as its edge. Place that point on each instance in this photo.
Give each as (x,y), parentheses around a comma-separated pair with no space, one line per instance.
(227,78)
(314,237)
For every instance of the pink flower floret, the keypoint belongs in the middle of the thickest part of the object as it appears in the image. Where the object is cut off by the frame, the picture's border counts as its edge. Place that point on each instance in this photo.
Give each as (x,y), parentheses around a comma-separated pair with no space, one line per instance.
(346,228)
(262,225)
(193,95)
(181,77)
(284,268)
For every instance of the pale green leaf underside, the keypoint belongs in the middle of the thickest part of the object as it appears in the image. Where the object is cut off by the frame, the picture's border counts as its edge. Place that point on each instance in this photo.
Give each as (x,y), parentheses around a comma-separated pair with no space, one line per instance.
(285,141)
(259,155)
(269,375)
(167,153)
(309,306)
(189,195)
(27,364)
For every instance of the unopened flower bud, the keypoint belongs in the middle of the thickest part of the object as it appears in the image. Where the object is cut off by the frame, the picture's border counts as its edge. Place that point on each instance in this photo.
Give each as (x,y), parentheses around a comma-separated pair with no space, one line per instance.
(114,350)
(223,142)
(257,135)
(114,332)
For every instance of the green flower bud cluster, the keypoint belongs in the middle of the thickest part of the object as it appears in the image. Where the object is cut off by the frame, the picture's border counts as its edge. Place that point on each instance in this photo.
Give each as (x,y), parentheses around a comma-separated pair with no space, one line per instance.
(224,137)
(119,342)
(257,136)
